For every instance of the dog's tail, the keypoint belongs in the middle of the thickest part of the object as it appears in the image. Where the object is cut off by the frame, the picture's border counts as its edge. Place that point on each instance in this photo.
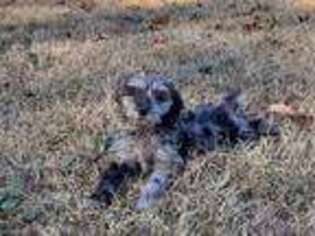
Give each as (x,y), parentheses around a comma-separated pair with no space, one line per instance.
(112,179)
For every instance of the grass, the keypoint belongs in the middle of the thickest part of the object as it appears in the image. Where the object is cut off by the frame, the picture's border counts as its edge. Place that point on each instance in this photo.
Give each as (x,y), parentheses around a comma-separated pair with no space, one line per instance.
(56,64)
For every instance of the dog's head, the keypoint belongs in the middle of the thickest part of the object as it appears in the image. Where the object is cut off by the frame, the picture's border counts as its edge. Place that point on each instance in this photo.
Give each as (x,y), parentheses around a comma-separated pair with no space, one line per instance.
(148,99)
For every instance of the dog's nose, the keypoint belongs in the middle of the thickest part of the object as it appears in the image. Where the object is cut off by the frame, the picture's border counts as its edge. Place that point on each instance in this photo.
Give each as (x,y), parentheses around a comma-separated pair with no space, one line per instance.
(143,112)
(144,107)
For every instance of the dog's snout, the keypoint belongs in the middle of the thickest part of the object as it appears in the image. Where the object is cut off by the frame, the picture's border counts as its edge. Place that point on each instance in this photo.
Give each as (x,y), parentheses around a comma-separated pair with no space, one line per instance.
(143,111)
(143,106)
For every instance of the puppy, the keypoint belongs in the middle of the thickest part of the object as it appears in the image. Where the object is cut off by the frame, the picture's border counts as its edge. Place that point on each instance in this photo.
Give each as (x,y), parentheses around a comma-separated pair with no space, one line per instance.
(161,136)
(150,105)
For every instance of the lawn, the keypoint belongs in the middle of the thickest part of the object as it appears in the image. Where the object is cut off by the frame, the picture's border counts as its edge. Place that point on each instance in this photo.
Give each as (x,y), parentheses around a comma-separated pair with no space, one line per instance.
(57,62)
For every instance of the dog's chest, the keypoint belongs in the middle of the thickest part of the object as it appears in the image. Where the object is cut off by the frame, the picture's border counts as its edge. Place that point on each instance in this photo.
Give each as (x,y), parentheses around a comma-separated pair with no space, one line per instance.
(151,149)
(139,146)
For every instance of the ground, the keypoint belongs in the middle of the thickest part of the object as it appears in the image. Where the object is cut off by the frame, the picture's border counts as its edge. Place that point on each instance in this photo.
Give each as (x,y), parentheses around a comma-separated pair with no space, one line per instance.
(57,60)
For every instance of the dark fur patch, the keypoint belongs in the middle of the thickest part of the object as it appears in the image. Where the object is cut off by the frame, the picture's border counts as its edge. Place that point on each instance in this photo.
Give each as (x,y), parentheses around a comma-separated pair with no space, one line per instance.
(230,129)
(263,127)
(171,117)
(112,179)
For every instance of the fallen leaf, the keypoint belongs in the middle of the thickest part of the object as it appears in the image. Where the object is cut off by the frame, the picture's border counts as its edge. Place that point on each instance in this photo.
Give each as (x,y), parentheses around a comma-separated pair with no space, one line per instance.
(303,119)
(250,27)
(159,40)
(281,108)
(307,5)
(158,21)
(153,4)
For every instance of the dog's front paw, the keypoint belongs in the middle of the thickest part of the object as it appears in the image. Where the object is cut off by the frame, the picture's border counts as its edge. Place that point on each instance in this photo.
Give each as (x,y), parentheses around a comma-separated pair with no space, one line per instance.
(153,190)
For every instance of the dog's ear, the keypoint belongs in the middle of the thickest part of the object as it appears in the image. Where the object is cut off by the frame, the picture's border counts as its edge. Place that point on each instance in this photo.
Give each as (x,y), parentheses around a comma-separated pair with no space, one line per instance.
(119,87)
(171,117)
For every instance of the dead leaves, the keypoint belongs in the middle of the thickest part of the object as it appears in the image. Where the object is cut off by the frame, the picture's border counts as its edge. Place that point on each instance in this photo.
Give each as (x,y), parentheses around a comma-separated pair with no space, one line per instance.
(302,119)
(153,4)
(158,40)
(281,108)
(158,21)
(307,5)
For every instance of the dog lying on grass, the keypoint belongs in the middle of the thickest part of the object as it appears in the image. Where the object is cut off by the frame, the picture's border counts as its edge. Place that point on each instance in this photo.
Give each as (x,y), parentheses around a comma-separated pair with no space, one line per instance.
(150,105)
(162,134)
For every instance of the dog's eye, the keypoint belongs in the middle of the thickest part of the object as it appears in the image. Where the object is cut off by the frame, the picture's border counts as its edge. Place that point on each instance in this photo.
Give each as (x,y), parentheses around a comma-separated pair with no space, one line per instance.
(207,131)
(132,90)
(161,96)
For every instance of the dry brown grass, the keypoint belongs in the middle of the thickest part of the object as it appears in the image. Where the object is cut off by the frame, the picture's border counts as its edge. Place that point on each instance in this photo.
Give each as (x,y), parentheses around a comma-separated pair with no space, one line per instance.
(305,4)
(56,62)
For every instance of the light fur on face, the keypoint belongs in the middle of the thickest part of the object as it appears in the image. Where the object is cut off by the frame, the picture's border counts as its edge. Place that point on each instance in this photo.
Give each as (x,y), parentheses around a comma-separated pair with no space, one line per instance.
(150,99)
